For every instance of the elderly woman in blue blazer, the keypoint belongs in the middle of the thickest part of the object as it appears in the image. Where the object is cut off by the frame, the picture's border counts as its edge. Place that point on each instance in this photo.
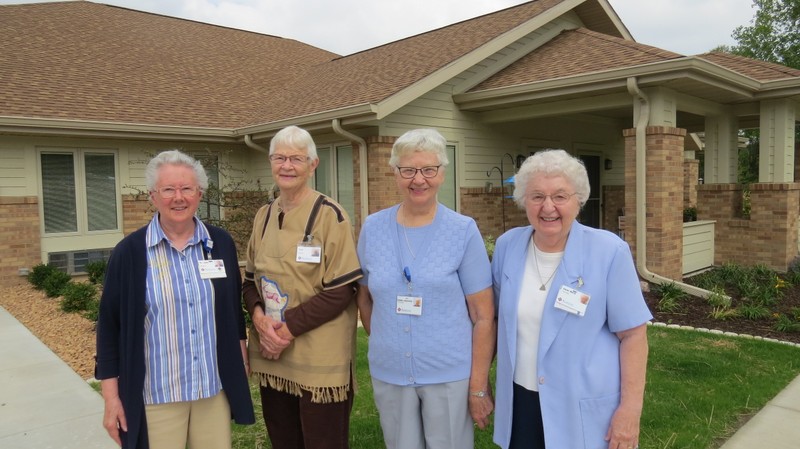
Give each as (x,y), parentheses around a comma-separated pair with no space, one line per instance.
(572,336)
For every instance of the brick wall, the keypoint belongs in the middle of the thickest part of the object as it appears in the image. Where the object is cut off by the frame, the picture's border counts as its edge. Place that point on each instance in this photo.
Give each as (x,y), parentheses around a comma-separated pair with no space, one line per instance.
(487,210)
(136,212)
(664,190)
(768,236)
(613,201)
(19,236)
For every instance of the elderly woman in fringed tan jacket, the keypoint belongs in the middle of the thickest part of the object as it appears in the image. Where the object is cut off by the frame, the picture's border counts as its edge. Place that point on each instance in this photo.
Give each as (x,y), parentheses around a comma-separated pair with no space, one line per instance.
(299,290)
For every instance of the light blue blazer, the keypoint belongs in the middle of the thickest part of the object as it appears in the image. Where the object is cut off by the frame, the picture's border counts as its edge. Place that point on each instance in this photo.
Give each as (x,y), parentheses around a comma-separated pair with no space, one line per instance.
(578,366)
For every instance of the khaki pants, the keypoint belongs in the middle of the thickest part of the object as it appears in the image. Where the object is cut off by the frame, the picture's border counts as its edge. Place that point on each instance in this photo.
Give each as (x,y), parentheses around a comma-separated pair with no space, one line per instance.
(203,424)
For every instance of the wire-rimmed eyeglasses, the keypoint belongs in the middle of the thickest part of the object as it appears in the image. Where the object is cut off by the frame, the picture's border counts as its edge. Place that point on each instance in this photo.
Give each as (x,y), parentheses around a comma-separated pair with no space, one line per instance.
(558,198)
(279,159)
(427,172)
(170,192)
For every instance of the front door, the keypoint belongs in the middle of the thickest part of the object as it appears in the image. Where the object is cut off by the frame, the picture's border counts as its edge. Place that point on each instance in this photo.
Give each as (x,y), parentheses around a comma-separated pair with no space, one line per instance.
(590,213)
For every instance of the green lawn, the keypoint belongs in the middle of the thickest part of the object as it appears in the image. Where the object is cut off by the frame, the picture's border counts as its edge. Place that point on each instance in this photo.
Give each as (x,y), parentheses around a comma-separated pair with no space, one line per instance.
(699,387)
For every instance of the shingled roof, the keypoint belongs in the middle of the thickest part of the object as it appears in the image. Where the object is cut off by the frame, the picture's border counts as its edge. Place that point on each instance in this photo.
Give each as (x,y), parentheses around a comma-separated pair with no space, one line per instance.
(373,75)
(576,52)
(93,62)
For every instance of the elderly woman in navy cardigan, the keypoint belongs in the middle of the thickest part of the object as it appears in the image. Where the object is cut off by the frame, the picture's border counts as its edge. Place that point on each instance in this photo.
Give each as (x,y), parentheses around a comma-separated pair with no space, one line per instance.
(572,337)
(171,353)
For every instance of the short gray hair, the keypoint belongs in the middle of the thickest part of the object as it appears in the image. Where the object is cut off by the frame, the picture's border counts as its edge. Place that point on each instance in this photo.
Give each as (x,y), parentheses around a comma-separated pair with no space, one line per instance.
(174,157)
(420,141)
(552,162)
(296,138)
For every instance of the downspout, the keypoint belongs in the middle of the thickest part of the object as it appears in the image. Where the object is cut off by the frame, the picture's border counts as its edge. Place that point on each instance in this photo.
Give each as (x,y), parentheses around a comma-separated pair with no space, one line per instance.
(249,142)
(640,124)
(362,165)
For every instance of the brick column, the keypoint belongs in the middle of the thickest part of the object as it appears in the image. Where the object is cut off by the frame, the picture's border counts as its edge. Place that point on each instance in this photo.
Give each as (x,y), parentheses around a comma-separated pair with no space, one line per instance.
(664,203)
(691,173)
(382,188)
(20,236)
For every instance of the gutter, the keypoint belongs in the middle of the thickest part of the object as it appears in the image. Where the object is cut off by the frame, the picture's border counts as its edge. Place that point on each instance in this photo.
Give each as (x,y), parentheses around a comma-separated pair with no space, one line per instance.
(363,167)
(640,124)
(249,142)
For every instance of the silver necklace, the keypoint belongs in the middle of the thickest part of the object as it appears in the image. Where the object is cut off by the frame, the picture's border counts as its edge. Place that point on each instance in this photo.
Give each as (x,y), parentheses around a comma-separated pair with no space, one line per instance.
(408,244)
(536,263)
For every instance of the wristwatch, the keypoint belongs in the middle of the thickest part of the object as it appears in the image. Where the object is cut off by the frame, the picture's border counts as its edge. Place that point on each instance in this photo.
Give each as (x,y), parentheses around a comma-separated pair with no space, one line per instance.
(478,394)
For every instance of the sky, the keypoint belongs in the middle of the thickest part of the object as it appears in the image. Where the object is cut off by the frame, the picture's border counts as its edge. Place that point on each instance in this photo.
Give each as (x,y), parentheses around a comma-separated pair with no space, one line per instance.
(687,27)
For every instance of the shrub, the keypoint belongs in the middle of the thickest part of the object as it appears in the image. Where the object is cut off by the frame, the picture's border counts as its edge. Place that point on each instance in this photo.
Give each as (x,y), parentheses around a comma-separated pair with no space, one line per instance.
(754,312)
(78,296)
(39,273)
(719,299)
(488,242)
(671,297)
(92,310)
(786,324)
(55,283)
(96,271)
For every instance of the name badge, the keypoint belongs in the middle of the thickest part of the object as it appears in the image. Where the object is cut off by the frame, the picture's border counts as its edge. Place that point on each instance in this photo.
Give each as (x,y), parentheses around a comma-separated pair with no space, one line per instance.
(572,301)
(211,269)
(309,254)
(409,305)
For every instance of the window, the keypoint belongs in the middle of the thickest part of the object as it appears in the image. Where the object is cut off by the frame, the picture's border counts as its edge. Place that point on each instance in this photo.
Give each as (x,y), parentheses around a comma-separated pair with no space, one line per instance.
(74,262)
(79,191)
(448,191)
(334,176)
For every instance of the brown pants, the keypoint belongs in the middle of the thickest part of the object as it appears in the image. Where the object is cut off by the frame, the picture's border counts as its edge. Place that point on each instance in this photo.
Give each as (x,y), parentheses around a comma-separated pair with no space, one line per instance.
(297,423)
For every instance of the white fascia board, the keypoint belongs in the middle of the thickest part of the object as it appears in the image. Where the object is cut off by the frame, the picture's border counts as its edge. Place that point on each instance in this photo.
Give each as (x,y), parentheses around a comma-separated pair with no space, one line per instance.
(347,116)
(80,128)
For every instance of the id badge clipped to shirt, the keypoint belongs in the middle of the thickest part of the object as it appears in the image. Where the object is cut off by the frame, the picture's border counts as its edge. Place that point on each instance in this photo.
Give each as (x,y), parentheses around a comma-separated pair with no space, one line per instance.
(409,305)
(211,269)
(572,301)
(308,251)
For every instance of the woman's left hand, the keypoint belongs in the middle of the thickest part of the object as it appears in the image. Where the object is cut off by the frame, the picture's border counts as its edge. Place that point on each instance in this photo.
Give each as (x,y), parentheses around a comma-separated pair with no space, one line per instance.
(480,408)
(624,430)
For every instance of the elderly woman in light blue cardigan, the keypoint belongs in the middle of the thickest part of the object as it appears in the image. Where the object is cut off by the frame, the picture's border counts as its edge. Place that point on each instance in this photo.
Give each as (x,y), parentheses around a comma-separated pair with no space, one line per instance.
(426,300)
(572,337)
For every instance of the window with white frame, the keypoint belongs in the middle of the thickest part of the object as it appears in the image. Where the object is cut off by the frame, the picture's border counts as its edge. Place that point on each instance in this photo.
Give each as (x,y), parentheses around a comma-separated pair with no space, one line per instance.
(448,190)
(79,191)
(334,175)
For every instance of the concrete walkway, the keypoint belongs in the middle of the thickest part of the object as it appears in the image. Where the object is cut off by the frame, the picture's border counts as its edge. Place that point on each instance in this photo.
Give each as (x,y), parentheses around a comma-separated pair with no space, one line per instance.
(776,426)
(43,402)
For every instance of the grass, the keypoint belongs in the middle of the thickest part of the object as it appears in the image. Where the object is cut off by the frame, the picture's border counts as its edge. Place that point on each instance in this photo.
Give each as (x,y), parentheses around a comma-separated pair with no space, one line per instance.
(699,388)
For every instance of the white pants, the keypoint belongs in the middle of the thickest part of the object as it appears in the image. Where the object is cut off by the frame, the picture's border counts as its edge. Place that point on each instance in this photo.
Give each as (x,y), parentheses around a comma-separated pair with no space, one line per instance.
(425,417)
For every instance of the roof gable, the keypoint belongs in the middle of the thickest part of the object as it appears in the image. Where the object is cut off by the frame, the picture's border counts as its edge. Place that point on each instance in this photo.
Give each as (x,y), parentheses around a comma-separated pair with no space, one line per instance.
(371,76)
(576,52)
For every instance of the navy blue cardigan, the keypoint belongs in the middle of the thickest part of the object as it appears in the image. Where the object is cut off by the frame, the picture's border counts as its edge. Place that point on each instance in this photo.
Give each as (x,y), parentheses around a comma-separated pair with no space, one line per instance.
(120,331)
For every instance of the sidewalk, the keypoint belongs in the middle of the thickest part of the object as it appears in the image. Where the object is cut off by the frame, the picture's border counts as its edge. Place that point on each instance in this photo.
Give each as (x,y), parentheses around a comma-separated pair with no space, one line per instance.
(43,402)
(776,426)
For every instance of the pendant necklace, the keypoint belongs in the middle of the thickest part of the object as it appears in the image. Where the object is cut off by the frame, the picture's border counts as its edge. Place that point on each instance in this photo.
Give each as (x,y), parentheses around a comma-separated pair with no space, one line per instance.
(536,263)
(402,226)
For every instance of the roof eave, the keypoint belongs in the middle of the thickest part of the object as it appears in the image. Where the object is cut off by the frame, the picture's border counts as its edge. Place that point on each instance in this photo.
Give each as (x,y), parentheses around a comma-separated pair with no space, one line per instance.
(33,126)
(317,121)
(653,73)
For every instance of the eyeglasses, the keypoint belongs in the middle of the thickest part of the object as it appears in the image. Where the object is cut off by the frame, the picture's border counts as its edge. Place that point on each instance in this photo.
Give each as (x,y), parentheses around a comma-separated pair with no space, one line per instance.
(279,159)
(559,199)
(170,192)
(410,172)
